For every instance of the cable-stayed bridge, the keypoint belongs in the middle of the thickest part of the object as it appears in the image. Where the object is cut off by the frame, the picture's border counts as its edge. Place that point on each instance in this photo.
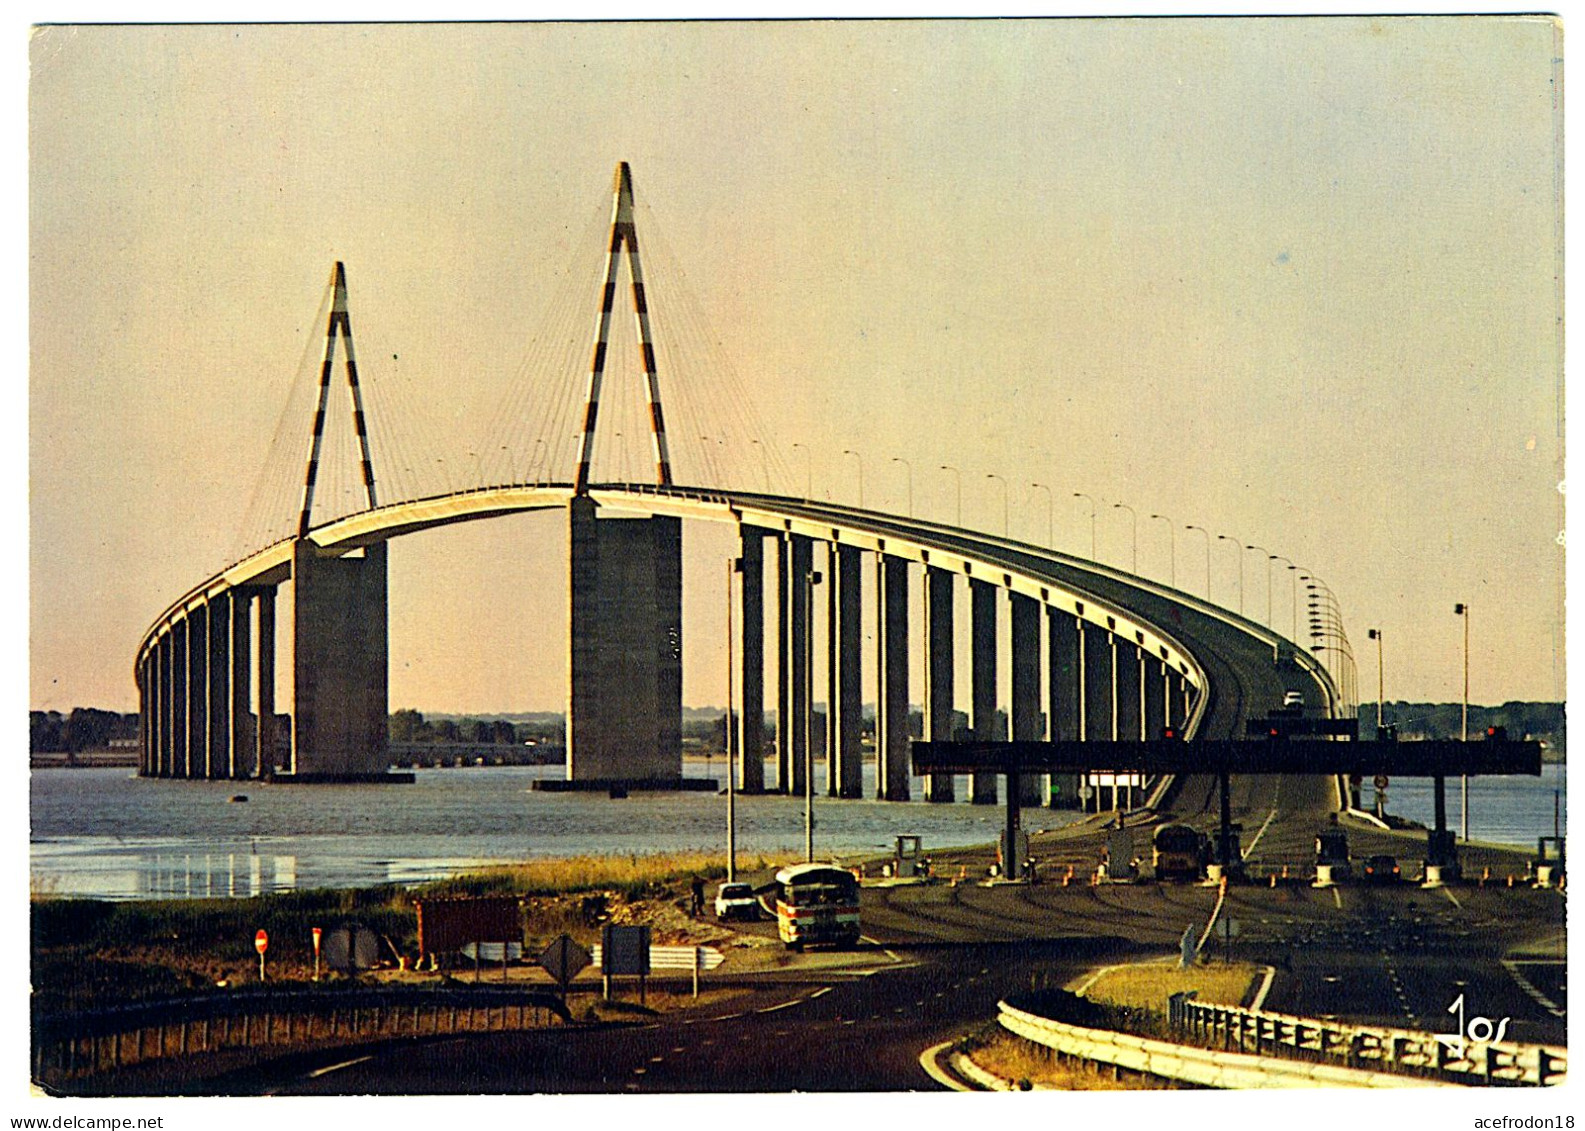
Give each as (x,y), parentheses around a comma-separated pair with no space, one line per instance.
(1094,654)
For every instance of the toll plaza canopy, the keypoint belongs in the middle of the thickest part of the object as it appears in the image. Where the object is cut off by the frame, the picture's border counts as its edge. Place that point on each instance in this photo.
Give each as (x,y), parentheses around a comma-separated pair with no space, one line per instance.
(1281,755)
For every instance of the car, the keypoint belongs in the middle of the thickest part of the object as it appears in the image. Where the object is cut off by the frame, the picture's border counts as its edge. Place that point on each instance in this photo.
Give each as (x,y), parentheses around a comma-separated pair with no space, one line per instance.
(1381,869)
(736,901)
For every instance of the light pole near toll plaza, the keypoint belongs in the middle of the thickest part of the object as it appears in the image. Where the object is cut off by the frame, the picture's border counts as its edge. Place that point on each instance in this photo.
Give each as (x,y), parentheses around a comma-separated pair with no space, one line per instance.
(733,565)
(1462,610)
(1375,634)
(811,579)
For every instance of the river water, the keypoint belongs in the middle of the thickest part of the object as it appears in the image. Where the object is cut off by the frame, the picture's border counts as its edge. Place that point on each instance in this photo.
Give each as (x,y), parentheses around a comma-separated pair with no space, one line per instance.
(109,834)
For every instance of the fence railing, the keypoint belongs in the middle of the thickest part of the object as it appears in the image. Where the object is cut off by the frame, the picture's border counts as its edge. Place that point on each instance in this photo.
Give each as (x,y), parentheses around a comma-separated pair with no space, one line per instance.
(77,1045)
(1402,1051)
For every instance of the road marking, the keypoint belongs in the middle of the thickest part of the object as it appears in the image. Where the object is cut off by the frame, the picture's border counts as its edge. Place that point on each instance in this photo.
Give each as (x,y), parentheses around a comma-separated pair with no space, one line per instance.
(1265,988)
(318,1072)
(820,991)
(725,1017)
(1448,892)
(1269,818)
(1337,898)
(656,1059)
(639,1071)
(928,1060)
(1528,987)
(783,1005)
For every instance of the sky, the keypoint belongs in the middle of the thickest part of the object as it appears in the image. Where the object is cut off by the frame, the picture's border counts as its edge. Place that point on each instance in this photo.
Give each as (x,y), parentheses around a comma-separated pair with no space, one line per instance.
(1294,282)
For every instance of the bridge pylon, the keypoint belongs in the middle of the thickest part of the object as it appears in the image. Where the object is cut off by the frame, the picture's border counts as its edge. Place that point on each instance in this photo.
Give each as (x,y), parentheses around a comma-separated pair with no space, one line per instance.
(623,234)
(340,322)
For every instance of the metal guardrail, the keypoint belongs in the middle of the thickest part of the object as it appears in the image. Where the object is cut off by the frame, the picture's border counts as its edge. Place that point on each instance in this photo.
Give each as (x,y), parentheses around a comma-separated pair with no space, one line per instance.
(72,1046)
(1209,1068)
(1399,1051)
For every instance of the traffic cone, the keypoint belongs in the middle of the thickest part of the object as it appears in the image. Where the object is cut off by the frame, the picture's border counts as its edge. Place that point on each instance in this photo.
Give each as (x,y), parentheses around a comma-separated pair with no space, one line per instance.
(1510,879)
(1273,879)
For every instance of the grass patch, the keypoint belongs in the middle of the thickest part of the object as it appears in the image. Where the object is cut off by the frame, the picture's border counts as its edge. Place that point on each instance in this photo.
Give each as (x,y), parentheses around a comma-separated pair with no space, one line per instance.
(633,876)
(1016,1059)
(1147,985)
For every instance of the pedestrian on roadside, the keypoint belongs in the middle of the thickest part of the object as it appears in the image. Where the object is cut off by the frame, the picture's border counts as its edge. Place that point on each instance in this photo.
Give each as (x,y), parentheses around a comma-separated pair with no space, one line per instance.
(698,896)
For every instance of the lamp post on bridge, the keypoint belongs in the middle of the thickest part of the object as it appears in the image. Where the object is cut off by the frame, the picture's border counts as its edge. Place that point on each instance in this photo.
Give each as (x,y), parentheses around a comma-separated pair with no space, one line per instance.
(1375,634)
(1293,586)
(809,471)
(1133,537)
(909,468)
(764,463)
(855,455)
(958,479)
(1172,551)
(1051,541)
(1086,498)
(1207,533)
(1267,552)
(1238,548)
(733,565)
(1003,482)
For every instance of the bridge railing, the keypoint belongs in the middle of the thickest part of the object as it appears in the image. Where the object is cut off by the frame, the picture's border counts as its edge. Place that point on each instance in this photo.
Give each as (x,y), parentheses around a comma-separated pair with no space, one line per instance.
(1385,1049)
(68,1047)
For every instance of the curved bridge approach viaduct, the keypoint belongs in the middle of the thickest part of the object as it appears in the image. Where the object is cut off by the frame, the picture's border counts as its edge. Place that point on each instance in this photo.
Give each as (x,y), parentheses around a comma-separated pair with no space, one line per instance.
(1094,654)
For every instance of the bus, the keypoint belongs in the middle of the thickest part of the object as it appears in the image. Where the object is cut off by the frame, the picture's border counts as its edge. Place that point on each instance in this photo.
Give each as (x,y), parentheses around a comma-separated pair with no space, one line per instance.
(1179,853)
(817,903)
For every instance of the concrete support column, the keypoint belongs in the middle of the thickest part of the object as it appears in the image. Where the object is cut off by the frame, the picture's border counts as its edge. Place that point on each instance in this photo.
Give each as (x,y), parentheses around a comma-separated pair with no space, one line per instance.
(340,700)
(891,707)
(844,702)
(1027,723)
(796,665)
(198,692)
(1065,695)
(240,742)
(1130,691)
(167,725)
(264,738)
(982,669)
(939,673)
(179,699)
(751,700)
(218,759)
(1156,697)
(145,694)
(1098,689)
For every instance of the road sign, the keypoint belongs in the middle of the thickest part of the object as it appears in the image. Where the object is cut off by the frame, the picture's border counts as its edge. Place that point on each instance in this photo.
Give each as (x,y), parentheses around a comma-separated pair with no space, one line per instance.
(261,942)
(562,960)
(1381,781)
(675,957)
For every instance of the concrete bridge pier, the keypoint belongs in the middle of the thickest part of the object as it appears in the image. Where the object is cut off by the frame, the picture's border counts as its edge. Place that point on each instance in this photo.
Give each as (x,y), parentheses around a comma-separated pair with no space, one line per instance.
(1026,714)
(264,665)
(217,743)
(239,742)
(1065,696)
(179,700)
(939,672)
(1158,692)
(982,682)
(751,697)
(198,692)
(796,564)
(844,658)
(1100,691)
(340,702)
(163,753)
(891,707)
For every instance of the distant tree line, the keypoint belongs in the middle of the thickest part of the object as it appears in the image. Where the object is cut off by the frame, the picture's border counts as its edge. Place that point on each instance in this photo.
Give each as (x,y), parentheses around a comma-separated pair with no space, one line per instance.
(1544,722)
(84,728)
(408,725)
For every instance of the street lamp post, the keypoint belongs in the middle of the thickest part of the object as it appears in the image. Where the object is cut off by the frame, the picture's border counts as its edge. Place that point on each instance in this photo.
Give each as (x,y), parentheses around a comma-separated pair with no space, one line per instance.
(809,471)
(909,469)
(1375,634)
(1267,552)
(1207,533)
(1086,498)
(1239,548)
(958,479)
(1005,492)
(1172,550)
(855,455)
(1462,610)
(764,463)
(733,565)
(1293,585)
(811,579)
(1051,540)
(1133,537)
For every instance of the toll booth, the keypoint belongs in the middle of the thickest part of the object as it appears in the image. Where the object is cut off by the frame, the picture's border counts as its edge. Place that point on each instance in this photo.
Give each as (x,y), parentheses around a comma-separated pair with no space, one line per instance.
(1548,864)
(909,859)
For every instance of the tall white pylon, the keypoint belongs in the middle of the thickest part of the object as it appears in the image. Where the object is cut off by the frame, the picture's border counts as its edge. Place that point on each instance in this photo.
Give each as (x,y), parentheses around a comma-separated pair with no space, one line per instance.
(622,232)
(340,321)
